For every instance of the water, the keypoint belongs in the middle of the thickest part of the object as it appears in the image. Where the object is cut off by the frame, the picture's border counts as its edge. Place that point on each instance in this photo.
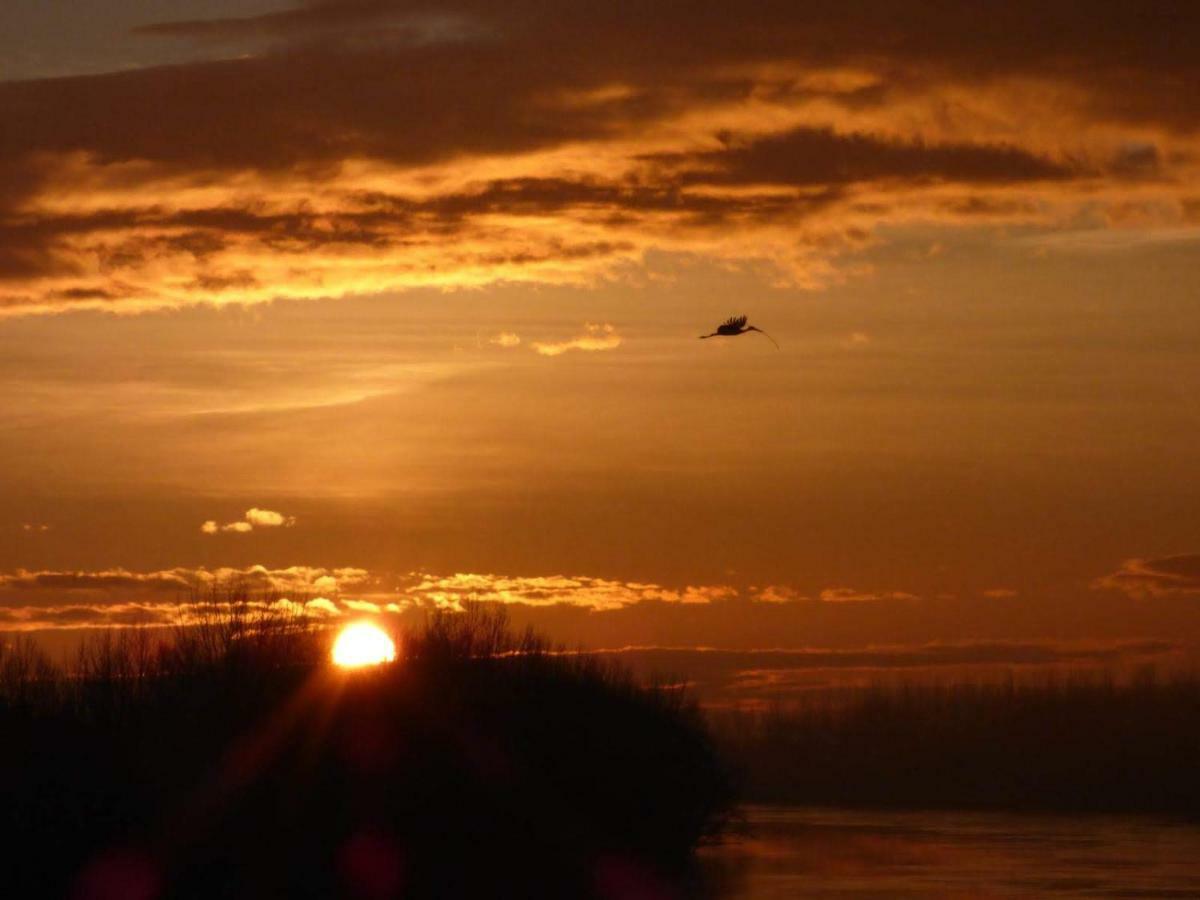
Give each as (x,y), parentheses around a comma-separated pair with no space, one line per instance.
(795,852)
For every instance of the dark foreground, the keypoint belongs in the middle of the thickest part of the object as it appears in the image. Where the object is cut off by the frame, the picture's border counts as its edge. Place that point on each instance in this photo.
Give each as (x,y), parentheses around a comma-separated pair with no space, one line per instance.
(480,766)
(229,759)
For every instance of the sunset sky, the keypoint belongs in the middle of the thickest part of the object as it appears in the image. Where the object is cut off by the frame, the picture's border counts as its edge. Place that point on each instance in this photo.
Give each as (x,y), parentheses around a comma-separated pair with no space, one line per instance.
(392,303)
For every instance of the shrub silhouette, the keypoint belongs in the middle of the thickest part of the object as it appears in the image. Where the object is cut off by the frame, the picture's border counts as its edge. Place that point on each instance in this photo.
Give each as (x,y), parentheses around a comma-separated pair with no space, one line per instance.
(231,760)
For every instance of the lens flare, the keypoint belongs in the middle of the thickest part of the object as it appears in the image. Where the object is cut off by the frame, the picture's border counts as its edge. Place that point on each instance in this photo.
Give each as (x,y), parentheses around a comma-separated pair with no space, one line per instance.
(363,644)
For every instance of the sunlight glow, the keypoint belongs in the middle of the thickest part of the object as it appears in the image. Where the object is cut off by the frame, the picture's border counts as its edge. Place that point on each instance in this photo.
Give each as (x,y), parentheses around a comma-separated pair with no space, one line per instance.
(363,644)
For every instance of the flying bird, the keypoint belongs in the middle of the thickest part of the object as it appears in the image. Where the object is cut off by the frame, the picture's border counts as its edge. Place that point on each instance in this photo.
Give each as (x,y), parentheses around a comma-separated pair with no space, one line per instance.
(735,325)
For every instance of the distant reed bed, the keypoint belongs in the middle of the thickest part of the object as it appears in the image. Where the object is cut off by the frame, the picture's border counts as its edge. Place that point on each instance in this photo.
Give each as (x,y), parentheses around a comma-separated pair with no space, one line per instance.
(1069,743)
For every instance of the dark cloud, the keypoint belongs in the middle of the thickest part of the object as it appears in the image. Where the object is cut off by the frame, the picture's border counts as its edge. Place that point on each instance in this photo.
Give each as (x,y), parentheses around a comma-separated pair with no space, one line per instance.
(116,586)
(1134,61)
(818,156)
(75,616)
(215,284)
(1015,34)
(304,108)
(985,207)
(1137,159)
(305,20)
(411,103)
(112,580)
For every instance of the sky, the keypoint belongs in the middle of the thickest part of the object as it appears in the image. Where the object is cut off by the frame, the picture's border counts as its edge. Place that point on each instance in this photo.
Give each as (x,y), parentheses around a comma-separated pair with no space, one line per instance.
(386,304)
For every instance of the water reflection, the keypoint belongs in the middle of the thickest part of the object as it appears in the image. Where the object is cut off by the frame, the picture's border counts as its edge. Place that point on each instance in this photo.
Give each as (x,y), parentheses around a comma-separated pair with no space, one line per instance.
(790,852)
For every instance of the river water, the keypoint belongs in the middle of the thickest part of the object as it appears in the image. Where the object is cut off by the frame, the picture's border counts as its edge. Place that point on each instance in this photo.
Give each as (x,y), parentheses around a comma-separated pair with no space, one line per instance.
(797,852)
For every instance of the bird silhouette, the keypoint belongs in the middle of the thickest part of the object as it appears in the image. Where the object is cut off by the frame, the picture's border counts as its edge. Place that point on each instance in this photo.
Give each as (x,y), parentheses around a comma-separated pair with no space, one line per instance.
(735,325)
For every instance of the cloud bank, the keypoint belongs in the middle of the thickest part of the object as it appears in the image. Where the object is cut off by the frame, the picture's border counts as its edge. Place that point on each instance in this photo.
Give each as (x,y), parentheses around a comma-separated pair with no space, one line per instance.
(762,646)
(49,598)
(339,147)
(608,612)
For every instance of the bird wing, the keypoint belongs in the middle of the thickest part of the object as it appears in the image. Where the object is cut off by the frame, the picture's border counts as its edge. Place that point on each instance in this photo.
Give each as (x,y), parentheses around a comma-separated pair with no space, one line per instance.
(734,322)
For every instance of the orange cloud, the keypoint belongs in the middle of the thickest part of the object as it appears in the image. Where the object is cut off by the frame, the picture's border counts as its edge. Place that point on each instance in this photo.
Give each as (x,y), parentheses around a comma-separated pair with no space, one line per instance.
(268,518)
(850,595)
(254,518)
(1164,576)
(857,339)
(595,337)
(591,593)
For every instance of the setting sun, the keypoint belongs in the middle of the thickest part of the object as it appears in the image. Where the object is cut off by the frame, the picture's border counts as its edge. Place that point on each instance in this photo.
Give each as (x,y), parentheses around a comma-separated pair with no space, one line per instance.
(363,644)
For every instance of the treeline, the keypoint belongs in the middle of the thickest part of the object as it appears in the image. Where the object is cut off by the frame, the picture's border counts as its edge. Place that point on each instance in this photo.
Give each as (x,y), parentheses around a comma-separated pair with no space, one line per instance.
(1082,745)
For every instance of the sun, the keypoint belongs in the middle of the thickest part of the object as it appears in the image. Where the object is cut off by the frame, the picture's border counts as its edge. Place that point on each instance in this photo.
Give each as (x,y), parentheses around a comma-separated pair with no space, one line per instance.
(363,644)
